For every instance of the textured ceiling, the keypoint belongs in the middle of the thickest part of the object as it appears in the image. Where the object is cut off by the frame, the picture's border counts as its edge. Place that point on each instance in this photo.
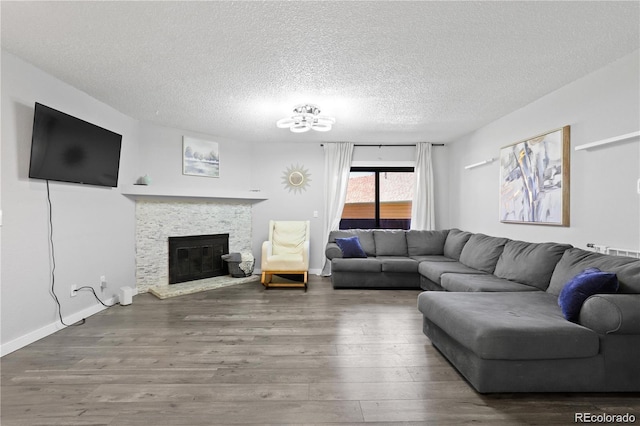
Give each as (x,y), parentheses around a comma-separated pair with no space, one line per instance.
(389,72)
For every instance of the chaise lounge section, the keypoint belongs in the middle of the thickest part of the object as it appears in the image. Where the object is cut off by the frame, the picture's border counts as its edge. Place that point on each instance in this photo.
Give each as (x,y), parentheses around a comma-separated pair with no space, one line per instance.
(521,341)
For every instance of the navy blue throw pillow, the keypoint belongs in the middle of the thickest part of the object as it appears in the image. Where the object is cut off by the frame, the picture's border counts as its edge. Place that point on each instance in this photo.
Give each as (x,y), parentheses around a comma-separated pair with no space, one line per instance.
(587,283)
(350,247)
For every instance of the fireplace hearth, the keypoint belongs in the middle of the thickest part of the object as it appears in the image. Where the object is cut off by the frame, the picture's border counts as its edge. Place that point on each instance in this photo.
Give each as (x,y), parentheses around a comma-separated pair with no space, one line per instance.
(197,257)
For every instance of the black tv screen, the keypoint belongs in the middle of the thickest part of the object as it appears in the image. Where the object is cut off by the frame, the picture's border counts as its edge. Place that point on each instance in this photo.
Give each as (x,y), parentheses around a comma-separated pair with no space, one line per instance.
(67,149)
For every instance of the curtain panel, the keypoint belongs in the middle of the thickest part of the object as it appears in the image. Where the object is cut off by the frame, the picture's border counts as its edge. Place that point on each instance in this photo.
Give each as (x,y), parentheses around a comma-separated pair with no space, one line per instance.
(337,165)
(422,208)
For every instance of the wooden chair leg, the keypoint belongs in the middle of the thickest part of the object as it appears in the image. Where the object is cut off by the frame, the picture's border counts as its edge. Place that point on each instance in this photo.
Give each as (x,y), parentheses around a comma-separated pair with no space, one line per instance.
(266,279)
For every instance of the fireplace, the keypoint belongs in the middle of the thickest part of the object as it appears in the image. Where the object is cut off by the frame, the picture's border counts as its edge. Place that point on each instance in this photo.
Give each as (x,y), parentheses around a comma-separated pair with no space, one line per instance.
(197,257)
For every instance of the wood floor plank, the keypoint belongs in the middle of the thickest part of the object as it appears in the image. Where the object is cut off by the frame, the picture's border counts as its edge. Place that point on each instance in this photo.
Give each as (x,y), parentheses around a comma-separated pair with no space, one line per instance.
(463,411)
(45,394)
(353,339)
(253,412)
(200,393)
(391,391)
(381,348)
(127,376)
(245,361)
(312,375)
(246,355)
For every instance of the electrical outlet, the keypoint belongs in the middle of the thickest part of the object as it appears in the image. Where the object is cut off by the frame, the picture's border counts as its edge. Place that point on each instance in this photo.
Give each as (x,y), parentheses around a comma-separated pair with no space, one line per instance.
(103,282)
(74,290)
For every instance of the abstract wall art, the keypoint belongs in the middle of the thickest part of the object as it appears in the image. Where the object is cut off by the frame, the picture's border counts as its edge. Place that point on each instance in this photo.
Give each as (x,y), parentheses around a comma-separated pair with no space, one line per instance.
(534,180)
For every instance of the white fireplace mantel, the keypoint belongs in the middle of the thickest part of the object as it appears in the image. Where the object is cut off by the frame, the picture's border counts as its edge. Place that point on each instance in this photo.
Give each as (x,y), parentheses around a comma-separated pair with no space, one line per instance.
(144,191)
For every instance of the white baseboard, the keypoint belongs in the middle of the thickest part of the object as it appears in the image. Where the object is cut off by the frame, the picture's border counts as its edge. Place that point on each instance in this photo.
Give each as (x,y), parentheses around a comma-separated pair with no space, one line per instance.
(47,330)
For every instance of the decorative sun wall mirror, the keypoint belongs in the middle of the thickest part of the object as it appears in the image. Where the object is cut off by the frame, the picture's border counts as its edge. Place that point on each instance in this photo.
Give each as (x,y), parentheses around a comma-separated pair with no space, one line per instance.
(296,178)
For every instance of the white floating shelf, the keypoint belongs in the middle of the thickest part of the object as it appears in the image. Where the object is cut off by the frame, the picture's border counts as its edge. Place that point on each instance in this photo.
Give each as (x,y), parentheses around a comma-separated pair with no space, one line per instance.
(138,191)
(608,141)
(481,163)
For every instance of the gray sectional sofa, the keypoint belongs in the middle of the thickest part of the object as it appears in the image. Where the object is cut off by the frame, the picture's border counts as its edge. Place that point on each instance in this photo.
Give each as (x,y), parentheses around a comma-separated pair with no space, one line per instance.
(492,307)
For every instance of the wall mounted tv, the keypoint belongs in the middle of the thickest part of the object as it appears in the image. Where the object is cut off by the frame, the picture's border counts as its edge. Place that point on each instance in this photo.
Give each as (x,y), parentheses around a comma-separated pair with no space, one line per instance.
(67,149)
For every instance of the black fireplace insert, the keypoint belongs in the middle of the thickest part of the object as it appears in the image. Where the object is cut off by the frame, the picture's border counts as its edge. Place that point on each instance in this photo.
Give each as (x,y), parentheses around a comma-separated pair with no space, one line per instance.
(197,257)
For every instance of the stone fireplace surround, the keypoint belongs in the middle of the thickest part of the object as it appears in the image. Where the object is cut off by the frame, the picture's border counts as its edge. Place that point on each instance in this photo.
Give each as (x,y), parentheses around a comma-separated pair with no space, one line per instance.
(157,220)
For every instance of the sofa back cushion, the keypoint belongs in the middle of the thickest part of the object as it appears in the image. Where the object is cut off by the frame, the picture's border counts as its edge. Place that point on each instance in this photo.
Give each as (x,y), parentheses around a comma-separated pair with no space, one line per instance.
(529,263)
(390,242)
(453,245)
(482,252)
(364,235)
(426,243)
(575,261)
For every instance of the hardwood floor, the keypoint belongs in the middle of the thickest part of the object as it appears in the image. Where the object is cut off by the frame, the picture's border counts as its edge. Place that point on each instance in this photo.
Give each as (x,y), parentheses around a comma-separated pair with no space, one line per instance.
(246,355)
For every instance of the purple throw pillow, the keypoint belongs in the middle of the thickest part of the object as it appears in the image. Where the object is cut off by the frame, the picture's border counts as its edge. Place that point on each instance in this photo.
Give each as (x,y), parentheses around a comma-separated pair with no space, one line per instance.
(584,285)
(351,247)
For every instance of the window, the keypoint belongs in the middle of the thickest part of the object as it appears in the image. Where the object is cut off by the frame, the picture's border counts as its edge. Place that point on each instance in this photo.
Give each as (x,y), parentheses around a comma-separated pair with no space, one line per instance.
(378,197)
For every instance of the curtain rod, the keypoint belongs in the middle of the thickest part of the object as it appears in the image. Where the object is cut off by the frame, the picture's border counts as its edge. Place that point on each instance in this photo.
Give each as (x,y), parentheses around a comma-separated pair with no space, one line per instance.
(380,145)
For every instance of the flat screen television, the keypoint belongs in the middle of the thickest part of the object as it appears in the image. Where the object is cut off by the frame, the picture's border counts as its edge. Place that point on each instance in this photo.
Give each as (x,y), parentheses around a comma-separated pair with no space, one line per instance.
(67,149)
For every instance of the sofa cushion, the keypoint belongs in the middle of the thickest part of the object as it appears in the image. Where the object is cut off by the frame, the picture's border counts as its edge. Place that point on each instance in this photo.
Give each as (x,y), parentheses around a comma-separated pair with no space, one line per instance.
(509,326)
(287,262)
(482,252)
(434,270)
(398,264)
(390,242)
(426,243)
(453,245)
(433,258)
(587,283)
(350,247)
(471,282)
(369,264)
(364,235)
(576,260)
(529,263)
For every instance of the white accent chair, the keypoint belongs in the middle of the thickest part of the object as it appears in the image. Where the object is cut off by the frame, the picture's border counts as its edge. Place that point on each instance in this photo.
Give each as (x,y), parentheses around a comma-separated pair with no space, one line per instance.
(286,252)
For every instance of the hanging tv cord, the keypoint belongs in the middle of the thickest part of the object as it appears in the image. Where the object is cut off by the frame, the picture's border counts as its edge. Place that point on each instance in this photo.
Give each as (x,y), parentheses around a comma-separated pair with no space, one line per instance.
(53,262)
(53,270)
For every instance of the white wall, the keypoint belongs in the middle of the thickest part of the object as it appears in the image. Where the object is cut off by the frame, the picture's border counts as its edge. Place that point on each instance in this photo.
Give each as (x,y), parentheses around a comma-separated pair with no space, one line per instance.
(93,227)
(605,206)
(268,164)
(160,153)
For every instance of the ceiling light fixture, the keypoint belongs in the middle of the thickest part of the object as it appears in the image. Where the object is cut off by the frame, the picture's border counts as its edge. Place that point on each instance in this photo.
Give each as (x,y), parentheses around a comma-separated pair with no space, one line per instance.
(306,117)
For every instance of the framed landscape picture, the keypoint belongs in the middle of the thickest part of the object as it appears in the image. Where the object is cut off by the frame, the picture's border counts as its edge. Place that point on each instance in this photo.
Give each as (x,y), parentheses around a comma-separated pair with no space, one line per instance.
(534,180)
(200,157)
